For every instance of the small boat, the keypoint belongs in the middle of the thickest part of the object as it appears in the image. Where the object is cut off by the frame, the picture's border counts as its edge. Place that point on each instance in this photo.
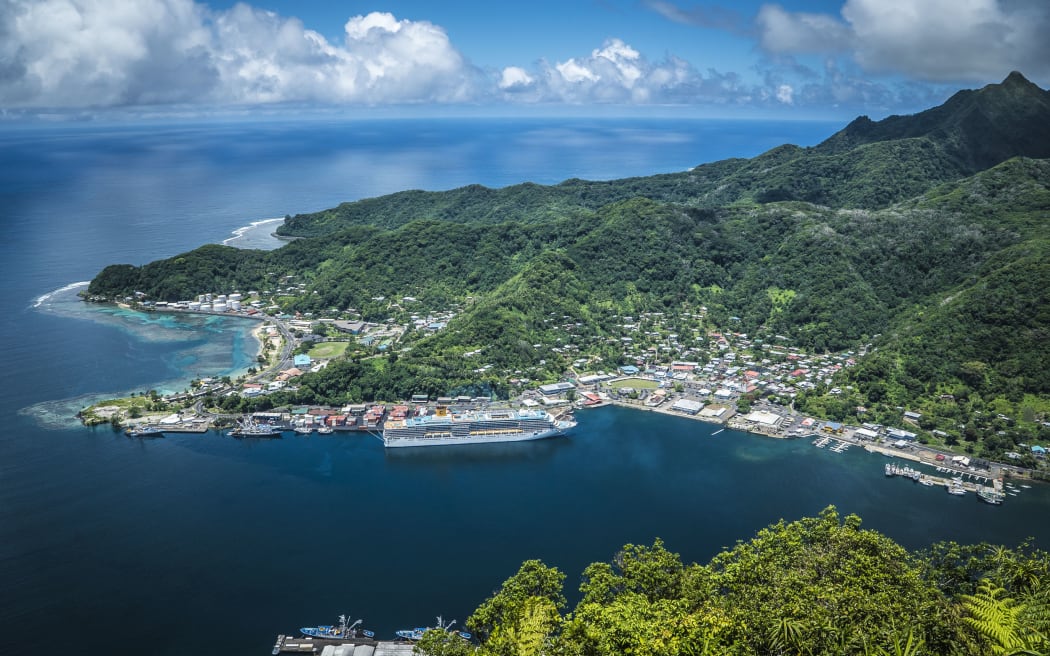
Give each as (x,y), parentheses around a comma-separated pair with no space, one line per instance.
(927,482)
(417,633)
(956,487)
(341,631)
(303,430)
(1027,487)
(145,431)
(325,430)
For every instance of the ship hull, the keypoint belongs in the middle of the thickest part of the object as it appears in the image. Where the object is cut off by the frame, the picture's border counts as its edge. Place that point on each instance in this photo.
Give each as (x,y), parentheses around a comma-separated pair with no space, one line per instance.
(399,442)
(489,427)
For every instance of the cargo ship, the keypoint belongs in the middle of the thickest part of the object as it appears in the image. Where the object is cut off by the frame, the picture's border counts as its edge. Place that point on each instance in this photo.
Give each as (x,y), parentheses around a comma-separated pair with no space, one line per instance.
(444,427)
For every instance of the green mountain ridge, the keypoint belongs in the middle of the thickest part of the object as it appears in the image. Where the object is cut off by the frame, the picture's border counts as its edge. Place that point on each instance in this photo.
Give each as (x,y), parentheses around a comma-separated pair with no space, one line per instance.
(867,164)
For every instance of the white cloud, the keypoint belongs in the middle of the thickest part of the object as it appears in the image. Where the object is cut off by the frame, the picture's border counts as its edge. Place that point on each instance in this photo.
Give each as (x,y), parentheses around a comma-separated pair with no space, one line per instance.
(936,40)
(515,78)
(786,94)
(63,53)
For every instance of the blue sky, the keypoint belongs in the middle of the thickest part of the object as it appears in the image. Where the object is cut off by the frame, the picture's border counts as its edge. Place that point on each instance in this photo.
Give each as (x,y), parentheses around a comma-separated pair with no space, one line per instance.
(795,58)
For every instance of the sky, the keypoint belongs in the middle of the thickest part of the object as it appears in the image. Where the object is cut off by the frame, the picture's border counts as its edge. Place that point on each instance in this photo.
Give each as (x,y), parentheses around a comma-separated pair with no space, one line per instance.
(793,59)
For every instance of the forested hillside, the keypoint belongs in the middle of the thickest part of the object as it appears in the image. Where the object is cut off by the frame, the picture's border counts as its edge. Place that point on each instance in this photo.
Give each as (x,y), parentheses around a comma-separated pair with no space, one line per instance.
(888,234)
(818,586)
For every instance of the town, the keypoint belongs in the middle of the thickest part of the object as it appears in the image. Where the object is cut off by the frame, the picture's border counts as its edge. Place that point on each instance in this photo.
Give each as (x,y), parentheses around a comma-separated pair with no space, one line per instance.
(678,364)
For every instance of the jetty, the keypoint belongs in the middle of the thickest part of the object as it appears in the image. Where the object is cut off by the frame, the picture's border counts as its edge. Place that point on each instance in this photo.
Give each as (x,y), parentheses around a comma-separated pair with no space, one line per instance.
(955,483)
(837,445)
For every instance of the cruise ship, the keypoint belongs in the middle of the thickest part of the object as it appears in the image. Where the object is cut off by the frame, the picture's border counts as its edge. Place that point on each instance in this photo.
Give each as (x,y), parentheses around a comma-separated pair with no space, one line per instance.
(444,427)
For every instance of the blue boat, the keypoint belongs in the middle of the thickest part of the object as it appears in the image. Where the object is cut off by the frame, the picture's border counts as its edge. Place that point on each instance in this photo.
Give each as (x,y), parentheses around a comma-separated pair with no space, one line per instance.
(342,631)
(417,633)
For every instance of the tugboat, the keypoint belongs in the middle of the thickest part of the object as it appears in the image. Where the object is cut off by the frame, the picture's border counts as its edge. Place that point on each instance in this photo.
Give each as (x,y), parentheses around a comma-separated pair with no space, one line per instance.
(342,631)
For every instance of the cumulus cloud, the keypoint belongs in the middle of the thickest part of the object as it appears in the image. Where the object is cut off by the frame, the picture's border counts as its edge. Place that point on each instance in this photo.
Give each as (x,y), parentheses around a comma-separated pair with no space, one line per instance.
(936,40)
(61,53)
(515,78)
(614,73)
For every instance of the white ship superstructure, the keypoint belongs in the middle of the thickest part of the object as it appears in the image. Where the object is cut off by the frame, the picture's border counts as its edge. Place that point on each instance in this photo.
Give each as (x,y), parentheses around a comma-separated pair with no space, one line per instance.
(444,427)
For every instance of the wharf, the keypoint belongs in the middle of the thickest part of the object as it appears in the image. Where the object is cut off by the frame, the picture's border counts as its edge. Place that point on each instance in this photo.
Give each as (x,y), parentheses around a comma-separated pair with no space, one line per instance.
(353,647)
(184,428)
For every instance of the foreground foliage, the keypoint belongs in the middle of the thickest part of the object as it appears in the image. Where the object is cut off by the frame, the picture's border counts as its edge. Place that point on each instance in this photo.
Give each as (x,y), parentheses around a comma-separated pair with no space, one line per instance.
(820,585)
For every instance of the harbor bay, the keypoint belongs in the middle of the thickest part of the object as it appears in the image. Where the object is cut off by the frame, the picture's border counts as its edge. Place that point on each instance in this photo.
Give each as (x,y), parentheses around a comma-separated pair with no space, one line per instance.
(198,543)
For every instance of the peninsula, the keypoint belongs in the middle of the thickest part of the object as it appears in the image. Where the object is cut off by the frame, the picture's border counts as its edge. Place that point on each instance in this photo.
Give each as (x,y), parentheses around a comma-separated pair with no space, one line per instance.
(895,274)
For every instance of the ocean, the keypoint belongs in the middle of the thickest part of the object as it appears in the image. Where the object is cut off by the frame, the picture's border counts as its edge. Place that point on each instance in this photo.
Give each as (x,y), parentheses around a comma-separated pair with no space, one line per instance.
(201,544)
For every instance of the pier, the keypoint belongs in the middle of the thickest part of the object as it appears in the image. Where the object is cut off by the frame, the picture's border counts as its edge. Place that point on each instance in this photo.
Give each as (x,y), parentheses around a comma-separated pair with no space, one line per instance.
(838,447)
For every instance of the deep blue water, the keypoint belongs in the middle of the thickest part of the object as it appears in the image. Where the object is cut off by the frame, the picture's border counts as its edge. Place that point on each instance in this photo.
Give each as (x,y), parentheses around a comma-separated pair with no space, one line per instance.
(204,544)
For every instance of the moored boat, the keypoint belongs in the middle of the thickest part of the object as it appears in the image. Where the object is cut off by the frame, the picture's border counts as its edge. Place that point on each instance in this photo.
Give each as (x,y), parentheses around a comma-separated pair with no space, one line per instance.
(990,495)
(250,428)
(145,431)
(341,631)
(418,632)
(956,487)
(444,427)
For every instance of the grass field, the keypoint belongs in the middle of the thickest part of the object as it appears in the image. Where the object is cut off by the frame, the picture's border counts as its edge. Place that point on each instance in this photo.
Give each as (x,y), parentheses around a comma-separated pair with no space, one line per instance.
(328,350)
(635,383)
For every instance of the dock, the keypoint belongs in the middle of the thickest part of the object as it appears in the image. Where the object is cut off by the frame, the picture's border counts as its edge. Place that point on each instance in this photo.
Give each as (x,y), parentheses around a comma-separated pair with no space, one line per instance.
(838,447)
(354,647)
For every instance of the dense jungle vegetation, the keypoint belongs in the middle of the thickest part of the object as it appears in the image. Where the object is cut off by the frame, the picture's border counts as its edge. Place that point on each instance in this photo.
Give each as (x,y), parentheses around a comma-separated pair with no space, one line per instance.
(820,585)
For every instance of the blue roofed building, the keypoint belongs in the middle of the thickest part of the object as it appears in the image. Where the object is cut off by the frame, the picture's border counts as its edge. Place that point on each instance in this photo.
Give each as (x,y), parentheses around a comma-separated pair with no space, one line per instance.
(302,360)
(629,369)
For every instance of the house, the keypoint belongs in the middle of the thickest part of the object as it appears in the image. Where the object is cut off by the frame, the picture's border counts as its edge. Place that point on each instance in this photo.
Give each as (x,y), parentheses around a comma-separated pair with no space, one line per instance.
(629,369)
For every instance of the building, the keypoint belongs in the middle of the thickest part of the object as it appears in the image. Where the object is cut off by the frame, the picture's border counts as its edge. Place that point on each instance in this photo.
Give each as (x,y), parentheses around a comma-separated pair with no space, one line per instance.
(764,418)
(555,388)
(687,406)
(713,412)
(302,360)
(898,434)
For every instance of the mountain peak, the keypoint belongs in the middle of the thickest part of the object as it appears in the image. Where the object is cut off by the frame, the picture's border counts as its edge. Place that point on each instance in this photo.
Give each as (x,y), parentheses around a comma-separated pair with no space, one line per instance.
(977,128)
(1015,78)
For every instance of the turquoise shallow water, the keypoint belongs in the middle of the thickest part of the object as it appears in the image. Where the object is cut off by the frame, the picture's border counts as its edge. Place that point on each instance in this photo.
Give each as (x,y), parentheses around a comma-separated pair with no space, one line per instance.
(204,544)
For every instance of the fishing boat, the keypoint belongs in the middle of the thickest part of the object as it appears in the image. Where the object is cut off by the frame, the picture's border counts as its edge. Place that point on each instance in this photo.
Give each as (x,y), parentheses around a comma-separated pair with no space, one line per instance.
(956,487)
(341,631)
(418,632)
(325,430)
(303,430)
(990,495)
